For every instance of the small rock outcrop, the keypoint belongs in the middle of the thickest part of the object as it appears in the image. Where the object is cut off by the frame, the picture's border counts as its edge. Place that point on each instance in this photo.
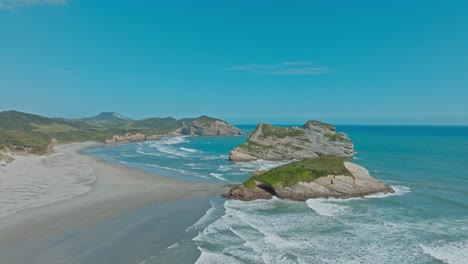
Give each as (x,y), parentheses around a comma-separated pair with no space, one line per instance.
(314,139)
(131,138)
(327,176)
(6,157)
(207,126)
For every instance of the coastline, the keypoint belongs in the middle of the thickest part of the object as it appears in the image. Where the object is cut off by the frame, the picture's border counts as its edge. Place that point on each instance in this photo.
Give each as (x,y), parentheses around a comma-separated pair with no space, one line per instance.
(83,193)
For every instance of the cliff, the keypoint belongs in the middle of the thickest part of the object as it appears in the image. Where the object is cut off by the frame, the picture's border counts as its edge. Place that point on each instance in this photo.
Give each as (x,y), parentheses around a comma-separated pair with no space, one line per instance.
(207,126)
(314,139)
(325,176)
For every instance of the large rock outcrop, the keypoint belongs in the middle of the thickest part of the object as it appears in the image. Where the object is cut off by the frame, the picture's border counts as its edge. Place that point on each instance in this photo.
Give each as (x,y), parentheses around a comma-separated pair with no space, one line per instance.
(327,176)
(207,126)
(281,143)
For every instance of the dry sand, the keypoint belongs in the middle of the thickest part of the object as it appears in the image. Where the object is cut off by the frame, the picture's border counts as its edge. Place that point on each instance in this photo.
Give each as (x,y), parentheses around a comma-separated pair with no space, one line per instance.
(42,197)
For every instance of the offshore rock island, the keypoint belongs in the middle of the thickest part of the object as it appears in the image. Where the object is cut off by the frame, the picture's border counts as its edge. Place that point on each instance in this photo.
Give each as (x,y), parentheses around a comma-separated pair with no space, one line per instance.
(322,169)
(326,176)
(314,139)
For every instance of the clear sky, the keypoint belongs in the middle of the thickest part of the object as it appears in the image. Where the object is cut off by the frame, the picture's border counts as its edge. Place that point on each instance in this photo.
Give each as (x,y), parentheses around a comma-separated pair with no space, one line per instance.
(345,62)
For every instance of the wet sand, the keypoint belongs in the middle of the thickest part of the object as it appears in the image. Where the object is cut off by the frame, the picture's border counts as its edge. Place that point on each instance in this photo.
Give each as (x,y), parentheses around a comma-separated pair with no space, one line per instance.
(73,208)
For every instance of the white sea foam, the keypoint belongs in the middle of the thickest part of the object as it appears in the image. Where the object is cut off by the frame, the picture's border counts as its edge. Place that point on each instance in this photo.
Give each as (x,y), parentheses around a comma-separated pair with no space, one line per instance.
(215,258)
(171,151)
(279,231)
(224,168)
(189,150)
(399,190)
(167,145)
(218,176)
(326,207)
(201,176)
(193,164)
(148,153)
(167,168)
(210,157)
(175,245)
(128,155)
(207,218)
(174,140)
(448,252)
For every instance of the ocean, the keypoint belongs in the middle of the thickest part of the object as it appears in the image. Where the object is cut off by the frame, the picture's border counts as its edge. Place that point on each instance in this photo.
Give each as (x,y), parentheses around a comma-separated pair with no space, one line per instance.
(424,221)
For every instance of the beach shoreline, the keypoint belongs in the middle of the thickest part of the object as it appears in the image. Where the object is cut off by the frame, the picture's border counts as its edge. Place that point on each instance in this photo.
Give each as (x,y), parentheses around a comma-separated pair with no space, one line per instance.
(50,195)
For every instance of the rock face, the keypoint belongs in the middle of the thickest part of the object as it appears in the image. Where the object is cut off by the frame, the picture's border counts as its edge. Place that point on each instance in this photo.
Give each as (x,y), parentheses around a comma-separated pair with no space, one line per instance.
(131,138)
(207,126)
(280,143)
(359,184)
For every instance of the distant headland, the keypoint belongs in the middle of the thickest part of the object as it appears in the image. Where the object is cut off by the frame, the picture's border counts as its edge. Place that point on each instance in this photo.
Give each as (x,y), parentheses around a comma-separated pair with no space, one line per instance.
(34,134)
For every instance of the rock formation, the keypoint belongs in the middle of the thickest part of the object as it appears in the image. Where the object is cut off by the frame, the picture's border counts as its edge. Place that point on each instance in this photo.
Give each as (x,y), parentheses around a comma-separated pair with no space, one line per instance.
(281,143)
(326,176)
(207,126)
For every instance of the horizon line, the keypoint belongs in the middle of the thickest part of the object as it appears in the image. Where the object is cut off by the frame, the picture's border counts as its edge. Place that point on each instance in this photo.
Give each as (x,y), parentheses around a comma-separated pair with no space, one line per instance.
(256,123)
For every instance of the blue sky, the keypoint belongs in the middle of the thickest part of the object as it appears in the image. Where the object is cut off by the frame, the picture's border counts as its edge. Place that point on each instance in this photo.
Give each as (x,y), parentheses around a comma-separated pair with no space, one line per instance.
(344,62)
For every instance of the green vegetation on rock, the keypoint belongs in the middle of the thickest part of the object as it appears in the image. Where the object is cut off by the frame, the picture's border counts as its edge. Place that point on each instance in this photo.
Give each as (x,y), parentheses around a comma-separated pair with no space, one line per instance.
(252,145)
(279,132)
(321,124)
(335,137)
(301,171)
(205,120)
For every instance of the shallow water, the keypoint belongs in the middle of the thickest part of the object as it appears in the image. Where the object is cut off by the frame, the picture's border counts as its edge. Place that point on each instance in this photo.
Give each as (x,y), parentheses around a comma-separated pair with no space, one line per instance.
(425,221)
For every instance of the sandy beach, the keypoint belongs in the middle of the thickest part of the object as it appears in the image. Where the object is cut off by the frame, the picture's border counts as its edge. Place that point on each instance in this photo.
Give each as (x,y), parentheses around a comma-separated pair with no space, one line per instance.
(74,197)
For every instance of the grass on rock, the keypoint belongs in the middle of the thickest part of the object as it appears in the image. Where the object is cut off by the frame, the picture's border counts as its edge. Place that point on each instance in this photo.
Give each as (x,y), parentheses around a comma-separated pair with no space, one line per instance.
(280,132)
(301,171)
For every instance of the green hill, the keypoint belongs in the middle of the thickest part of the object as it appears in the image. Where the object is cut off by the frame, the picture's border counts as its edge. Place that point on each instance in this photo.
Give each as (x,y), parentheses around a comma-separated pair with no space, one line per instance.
(20,131)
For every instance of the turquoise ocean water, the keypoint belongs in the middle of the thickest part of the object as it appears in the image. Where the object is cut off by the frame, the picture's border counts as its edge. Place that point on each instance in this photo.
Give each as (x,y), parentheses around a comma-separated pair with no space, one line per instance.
(425,221)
